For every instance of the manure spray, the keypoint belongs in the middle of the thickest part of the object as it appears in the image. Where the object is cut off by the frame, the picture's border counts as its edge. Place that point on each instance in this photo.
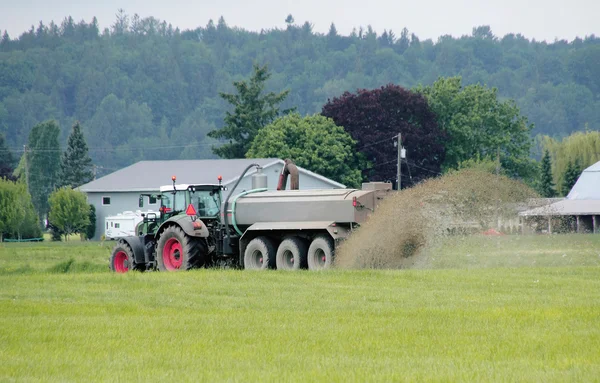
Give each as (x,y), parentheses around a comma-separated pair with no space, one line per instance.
(408,224)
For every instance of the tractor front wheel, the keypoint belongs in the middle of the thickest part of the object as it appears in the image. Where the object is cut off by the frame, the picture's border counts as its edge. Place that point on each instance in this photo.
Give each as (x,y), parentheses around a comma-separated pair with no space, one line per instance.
(178,251)
(121,258)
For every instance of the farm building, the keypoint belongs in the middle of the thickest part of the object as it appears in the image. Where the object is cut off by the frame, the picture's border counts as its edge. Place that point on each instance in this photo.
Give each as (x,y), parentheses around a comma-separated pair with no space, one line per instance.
(579,211)
(119,191)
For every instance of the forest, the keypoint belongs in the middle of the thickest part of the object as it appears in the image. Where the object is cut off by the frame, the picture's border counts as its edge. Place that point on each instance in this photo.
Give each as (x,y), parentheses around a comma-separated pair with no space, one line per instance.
(143,89)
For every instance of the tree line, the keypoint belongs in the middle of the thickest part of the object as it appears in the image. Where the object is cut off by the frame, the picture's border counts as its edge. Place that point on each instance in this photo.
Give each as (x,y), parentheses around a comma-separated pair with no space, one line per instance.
(142,82)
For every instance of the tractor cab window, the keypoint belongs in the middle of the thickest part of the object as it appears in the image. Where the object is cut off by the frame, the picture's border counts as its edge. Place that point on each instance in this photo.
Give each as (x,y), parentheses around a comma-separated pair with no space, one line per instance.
(208,203)
(174,201)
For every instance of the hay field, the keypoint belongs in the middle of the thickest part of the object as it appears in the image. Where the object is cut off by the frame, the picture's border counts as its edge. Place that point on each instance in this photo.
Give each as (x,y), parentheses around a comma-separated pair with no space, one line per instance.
(457,320)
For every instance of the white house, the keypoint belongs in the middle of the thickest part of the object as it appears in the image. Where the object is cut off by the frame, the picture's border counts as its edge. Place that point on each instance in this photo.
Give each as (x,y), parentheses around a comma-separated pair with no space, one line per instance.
(119,191)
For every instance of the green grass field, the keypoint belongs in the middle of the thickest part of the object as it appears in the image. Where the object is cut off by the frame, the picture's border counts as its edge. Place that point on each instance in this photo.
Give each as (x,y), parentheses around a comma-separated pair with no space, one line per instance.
(472,315)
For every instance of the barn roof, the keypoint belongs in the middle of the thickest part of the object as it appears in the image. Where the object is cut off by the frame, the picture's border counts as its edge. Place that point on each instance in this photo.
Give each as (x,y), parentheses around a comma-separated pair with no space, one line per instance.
(150,175)
(587,186)
(583,199)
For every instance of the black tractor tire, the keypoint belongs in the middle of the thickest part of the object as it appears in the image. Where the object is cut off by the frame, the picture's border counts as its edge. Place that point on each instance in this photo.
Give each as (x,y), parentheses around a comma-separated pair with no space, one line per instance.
(320,253)
(260,254)
(176,251)
(291,254)
(121,259)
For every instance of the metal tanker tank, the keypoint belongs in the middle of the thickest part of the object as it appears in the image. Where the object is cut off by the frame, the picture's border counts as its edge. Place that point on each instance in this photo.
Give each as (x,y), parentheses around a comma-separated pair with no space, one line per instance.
(331,205)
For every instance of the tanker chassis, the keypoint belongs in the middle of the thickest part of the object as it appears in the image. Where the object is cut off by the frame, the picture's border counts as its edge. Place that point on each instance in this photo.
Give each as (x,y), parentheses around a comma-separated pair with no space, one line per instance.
(255,229)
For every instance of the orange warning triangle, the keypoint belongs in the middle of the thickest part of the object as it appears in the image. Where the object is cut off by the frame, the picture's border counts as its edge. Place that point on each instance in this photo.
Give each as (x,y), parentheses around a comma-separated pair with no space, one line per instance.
(190,210)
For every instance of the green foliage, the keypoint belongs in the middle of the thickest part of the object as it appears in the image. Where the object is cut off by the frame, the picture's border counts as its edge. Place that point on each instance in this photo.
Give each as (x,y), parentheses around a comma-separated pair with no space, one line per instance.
(485,164)
(69,211)
(76,164)
(479,124)
(545,183)
(581,148)
(252,111)
(90,231)
(570,178)
(7,161)
(17,215)
(43,163)
(312,142)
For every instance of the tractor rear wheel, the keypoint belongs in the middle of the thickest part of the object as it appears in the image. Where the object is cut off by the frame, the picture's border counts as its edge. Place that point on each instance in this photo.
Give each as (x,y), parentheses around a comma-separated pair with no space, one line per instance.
(320,253)
(259,254)
(291,254)
(177,251)
(121,258)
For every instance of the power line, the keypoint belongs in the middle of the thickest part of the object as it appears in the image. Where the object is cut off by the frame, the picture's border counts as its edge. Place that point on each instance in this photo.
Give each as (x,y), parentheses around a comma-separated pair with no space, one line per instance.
(108,150)
(375,143)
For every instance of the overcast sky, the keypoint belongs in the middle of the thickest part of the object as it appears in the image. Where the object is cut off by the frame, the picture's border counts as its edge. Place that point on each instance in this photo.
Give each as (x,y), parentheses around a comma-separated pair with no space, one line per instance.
(539,19)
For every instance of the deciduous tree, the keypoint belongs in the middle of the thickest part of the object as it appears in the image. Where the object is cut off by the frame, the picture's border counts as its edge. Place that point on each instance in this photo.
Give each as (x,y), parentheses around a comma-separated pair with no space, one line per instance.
(17,215)
(314,143)
(69,211)
(477,123)
(374,117)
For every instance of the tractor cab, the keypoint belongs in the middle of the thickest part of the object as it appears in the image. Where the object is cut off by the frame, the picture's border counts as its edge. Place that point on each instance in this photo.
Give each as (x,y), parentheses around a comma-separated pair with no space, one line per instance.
(205,200)
(202,201)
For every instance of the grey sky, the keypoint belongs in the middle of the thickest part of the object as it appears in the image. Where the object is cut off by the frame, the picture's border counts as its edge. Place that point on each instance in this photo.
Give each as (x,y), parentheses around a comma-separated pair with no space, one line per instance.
(539,19)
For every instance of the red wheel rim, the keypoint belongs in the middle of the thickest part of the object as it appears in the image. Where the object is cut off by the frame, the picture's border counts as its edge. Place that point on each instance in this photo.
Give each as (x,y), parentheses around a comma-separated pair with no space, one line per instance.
(121,262)
(172,254)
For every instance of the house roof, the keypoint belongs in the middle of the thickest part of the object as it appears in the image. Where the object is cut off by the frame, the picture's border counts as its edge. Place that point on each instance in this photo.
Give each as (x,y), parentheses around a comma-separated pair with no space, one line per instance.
(150,175)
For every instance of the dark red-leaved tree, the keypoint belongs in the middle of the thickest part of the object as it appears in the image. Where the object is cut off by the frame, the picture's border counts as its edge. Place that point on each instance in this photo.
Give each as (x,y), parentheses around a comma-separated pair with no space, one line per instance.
(375,117)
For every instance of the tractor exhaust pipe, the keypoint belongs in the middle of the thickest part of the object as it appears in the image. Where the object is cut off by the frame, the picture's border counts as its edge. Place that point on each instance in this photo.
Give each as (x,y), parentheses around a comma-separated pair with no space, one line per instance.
(289,169)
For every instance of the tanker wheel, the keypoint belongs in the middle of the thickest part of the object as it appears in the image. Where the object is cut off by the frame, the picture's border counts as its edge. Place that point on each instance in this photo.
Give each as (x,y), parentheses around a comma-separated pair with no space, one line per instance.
(121,258)
(176,250)
(320,253)
(291,254)
(259,254)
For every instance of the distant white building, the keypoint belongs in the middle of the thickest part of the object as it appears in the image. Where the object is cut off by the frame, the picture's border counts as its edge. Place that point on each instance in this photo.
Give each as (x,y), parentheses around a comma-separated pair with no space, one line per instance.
(582,205)
(119,191)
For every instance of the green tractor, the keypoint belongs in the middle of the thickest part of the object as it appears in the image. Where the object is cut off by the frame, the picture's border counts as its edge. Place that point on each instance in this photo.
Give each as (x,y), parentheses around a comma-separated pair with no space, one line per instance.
(180,237)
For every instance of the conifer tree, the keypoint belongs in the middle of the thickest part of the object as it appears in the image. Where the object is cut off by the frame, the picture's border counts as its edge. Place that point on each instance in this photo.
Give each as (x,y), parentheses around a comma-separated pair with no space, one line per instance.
(76,164)
(546,183)
(7,160)
(571,176)
(43,164)
(252,111)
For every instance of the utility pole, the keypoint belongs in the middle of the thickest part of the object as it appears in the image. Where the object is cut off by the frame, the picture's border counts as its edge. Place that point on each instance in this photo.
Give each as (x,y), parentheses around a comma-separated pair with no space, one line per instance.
(399,173)
(26,167)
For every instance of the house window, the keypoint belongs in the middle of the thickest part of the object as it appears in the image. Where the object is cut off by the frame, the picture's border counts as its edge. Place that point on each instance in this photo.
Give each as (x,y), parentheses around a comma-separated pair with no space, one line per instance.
(105,201)
(107,225)
(112,224)
(152,200)
(117,225)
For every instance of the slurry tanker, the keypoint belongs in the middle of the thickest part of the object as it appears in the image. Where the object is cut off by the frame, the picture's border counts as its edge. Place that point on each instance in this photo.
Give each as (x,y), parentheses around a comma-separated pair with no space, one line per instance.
(255,229)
